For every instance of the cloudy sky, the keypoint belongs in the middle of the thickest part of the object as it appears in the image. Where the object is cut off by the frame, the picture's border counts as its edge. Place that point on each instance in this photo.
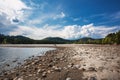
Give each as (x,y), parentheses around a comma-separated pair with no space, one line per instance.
(69,19)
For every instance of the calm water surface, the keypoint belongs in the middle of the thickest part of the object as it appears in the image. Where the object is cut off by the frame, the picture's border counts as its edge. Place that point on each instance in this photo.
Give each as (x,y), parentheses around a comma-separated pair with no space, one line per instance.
(10,57)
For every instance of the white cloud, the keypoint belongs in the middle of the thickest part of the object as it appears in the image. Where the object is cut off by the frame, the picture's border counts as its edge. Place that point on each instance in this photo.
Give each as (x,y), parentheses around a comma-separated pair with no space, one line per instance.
(67,32)
(12,9)
(61,15)
(76,19)
(115,15)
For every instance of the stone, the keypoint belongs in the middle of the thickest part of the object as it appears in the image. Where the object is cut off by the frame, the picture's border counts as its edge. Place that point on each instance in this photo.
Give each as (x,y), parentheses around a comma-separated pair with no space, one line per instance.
(49,71)
(68,78)
(39,70)
(50,65)
(14,61)
(17,74)
(92,78)
(65,68)
(7,65)
(83,69)
(76,66)
(6,79)
(91,69)
(20,78)
(15,78)
(39,79)
(57,68)
(70,65)
(5,73)
(84,64)
(44,74)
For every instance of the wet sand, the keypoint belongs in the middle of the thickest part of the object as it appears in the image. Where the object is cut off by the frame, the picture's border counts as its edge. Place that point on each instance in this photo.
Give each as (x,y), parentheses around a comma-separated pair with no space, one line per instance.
(70,62)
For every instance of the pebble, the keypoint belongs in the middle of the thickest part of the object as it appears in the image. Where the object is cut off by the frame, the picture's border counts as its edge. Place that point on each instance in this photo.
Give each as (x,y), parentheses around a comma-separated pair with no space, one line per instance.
(68,78)
(39,70)
(6,79)
(49,71)
(39,79)
(50,65)
(57,68)
(7,65)
(70,65)
(20,78)
(91,69)
(76,66)
(44,74)
(14,61)
(17,74)
(92,78)
(15,78)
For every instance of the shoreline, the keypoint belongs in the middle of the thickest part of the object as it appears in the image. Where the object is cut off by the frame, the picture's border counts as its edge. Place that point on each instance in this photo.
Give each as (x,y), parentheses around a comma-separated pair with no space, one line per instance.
(74,62)
(52,45)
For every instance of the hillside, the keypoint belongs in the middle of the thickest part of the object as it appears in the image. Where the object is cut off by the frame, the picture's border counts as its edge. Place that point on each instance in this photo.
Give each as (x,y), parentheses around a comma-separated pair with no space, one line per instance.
(112,38)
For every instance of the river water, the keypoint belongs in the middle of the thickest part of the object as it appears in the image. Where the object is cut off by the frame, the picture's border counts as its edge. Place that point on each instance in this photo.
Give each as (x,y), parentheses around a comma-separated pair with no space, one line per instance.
(11,56)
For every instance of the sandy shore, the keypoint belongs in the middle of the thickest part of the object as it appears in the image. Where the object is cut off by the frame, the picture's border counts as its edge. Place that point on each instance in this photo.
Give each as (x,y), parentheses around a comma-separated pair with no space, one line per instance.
(74,62)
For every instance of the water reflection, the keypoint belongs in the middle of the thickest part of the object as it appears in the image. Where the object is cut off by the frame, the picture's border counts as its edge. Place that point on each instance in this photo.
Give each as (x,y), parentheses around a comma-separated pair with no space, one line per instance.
(10,57)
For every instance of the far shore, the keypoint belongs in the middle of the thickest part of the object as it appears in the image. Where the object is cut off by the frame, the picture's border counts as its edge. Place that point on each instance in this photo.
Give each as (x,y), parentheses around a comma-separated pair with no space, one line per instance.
(51,45)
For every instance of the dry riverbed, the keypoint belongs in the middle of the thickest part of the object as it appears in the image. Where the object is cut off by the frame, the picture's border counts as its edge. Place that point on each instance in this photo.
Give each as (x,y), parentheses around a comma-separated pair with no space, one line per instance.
(76,62)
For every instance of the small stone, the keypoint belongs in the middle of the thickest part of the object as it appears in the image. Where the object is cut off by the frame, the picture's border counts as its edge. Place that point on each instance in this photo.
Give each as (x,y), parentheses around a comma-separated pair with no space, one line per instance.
(49,71)
(84,64)
(70,65)
(68,78)
(65,68)
(6,79)
(91,69)
(92,78)
(35,68)
(39,71)
(7,65)
(83,69)
(76,66)
(30,75)
(17,74)
(50,65)
(20,78)
(44,74)
(57,68)
(101,68)
(5,73)
(15,78)
(14,61)
(39,79)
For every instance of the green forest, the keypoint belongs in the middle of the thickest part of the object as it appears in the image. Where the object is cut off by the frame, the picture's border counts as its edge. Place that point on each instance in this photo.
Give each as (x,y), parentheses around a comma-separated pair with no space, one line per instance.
(112,38)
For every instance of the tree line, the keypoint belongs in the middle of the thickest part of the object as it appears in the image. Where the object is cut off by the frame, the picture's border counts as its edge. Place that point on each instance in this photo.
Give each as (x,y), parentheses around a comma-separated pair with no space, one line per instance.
(112,38)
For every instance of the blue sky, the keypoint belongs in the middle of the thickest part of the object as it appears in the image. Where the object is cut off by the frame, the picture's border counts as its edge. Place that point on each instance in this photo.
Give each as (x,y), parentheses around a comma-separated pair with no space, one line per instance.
(69,19)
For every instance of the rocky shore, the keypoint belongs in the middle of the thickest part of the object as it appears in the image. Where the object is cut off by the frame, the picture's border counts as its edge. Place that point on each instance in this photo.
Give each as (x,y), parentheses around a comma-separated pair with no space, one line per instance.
(77,62)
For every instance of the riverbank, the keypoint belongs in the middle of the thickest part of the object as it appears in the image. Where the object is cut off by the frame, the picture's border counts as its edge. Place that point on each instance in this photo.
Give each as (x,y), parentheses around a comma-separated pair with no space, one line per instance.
(76,62)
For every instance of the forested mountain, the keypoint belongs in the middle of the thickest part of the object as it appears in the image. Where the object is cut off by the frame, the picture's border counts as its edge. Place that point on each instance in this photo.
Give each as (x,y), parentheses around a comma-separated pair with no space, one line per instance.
(112,38)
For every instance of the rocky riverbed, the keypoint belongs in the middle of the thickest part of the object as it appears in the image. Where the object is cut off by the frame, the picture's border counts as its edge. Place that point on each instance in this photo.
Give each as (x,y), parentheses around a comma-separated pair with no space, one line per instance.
(76,62)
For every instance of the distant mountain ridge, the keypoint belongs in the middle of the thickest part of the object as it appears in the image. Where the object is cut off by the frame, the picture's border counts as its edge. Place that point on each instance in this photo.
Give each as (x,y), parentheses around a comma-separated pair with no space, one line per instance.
(112,38)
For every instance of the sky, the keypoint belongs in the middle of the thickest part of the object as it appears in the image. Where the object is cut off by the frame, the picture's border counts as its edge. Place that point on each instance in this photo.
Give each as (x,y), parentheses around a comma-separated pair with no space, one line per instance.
(68,19)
